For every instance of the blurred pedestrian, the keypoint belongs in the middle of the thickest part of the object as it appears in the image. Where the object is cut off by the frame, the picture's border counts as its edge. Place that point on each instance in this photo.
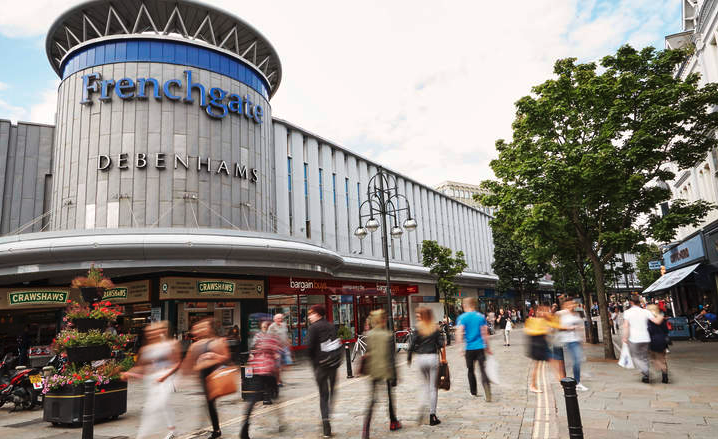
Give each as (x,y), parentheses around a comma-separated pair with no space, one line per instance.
(281,331)
(205,355)
(553,338)
(381,368)
(426,346)
(537,328)
(157,361)
(473,330)
(265,353)
(635,333)
(325,352)
(571,322)
(659,342)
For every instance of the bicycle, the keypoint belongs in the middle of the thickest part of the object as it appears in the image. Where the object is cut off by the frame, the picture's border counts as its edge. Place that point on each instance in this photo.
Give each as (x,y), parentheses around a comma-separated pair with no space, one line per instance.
(359,347)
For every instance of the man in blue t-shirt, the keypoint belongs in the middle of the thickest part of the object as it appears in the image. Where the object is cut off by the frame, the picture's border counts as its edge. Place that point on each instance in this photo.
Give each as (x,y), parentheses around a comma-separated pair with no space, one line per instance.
(472,328)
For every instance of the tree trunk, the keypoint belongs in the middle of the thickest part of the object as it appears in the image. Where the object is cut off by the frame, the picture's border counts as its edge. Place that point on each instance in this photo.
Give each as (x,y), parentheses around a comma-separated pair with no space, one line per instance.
(587,308)
(598,271)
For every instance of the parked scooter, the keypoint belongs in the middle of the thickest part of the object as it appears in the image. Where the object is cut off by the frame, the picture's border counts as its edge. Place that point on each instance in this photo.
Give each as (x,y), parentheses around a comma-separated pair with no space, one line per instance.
(22,386)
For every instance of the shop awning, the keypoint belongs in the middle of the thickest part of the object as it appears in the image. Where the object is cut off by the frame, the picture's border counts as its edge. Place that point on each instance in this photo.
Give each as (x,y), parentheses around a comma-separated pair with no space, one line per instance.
(669,279)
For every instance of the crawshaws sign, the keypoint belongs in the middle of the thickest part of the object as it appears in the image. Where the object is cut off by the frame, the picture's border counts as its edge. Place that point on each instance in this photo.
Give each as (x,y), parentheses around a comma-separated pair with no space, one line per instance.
(27,297)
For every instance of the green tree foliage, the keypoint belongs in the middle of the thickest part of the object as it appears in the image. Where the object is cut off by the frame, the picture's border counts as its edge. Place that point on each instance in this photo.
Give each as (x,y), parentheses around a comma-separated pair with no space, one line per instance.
(511,265)
(589,146)
(645,275)
(445,266)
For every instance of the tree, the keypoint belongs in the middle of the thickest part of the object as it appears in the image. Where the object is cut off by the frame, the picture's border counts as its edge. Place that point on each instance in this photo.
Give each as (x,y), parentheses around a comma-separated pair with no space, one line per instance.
(510,264)
(589,151)
(645,275)
(445,267)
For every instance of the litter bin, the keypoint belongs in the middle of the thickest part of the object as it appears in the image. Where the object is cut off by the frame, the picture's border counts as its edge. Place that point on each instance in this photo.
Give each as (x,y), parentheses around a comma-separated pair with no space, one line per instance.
(245,373)
(594,332)
(587,329)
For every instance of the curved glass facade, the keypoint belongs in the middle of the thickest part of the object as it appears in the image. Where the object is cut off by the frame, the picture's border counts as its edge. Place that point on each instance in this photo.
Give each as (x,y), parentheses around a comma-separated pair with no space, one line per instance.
(168,52)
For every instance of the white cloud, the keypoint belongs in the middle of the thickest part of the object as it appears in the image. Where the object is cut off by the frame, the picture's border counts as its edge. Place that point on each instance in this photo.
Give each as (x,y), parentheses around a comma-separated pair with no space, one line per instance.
(424,87)
(3,86)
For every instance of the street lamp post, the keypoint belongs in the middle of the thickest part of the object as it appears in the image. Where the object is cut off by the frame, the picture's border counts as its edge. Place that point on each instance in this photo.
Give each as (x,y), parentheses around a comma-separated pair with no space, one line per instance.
(384,200)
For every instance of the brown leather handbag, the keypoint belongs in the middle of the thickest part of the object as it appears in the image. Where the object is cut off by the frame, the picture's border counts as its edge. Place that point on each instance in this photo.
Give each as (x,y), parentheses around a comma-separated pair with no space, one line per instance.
(222,381)
(444,378)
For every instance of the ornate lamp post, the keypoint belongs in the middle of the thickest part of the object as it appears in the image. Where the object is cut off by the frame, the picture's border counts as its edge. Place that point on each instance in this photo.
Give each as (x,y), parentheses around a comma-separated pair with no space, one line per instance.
(385,202)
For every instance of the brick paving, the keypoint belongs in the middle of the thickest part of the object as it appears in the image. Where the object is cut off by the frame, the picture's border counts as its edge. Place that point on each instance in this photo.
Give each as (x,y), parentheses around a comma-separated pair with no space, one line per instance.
(617,405)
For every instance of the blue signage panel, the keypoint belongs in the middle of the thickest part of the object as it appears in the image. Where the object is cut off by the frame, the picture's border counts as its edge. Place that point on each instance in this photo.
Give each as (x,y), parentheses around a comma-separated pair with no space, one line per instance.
(168,52)
(654,265)
(688,251)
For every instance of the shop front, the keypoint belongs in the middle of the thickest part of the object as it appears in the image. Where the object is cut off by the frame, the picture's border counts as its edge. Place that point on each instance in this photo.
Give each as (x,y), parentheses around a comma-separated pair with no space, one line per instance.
(30,317)
(230,302)
(135,300)
(348,303)
(689,281)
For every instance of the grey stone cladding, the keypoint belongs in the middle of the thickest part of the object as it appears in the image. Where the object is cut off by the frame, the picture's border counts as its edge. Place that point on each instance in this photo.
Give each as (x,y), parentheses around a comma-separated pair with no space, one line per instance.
(85,197)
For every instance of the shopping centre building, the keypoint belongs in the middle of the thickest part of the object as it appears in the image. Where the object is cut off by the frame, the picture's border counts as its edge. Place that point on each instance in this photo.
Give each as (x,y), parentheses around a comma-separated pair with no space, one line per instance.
(166,167)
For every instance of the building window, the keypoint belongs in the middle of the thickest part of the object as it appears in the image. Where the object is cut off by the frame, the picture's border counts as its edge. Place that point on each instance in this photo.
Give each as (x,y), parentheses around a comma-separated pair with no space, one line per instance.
(307,224)
(289,188)
(321,201)
(361,241)
(336,223)
(349,227)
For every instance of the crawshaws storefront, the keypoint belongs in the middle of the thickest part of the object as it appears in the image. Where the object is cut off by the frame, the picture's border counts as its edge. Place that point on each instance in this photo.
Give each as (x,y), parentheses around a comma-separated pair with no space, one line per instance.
(348,303)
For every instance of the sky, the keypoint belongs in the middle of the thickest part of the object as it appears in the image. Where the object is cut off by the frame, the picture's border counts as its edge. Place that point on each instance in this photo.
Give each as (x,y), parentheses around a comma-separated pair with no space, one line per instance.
(423,87)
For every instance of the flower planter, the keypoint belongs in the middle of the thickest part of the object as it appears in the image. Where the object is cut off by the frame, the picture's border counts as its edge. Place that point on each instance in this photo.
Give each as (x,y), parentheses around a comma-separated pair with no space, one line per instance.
(84,325)
(64,406)
(86,354)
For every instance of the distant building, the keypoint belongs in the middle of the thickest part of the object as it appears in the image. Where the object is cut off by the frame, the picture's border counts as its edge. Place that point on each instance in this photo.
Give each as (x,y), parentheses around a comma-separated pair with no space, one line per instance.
(464,193)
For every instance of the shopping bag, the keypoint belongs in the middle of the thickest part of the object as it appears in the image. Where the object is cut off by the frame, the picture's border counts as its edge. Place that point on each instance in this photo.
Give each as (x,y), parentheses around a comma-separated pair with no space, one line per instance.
(221,382)
(443,377)
(625,359)
(492,369)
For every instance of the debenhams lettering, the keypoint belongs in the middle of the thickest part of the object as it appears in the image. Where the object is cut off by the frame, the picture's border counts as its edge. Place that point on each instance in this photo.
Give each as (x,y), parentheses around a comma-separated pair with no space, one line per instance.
(159,161)
(212,101)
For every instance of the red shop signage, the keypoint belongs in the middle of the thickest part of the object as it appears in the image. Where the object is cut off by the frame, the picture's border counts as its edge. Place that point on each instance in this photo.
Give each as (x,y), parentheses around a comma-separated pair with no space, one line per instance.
(296,285)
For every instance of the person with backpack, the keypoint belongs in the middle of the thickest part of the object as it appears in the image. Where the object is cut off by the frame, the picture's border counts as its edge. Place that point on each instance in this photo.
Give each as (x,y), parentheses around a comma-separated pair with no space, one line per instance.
(325,351)
(381,368)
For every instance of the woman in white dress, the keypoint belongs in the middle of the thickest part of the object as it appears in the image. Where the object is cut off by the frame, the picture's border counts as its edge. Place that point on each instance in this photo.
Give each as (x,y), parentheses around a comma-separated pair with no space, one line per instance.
(157,360)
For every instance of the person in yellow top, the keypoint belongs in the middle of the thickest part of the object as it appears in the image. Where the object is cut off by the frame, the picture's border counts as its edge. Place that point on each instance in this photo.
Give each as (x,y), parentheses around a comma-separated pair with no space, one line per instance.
(536,328)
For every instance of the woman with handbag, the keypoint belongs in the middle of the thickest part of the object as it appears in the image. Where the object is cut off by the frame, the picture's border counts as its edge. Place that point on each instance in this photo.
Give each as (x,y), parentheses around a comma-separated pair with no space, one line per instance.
(426,345)
(380,367)
(157,361)
(266,351)
(659,342)
(206,355)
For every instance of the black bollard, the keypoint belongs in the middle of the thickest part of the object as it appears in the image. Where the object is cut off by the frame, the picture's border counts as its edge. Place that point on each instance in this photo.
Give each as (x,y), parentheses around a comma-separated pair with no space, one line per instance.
(88,410)
(349,360)
(573,413)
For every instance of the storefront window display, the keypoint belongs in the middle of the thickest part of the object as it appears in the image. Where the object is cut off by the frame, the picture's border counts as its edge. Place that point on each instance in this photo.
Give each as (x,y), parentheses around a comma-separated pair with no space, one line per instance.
(348,303)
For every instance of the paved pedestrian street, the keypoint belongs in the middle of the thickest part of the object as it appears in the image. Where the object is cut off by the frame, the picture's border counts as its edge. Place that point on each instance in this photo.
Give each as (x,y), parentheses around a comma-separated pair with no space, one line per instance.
(617,405)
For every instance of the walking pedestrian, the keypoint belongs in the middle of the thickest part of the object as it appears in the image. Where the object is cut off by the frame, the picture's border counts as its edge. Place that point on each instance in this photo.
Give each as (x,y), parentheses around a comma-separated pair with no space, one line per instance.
(553,339)
(509,326)
(659,342)
(281,331)
(205,355)
(472,328)
(571,322)
(324,351)
(264,361)
(426,346)
(157,361)
(537,327)
(381,368)
(635,333)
